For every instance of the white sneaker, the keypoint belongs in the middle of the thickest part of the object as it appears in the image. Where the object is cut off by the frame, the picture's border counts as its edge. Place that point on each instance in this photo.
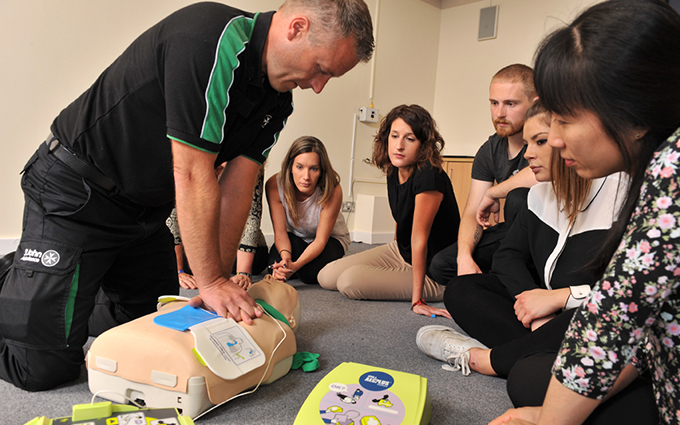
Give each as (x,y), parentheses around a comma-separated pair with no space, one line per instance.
(447,345)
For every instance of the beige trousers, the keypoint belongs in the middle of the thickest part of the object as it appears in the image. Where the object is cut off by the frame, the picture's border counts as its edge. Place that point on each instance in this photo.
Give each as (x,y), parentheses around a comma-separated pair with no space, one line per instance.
(376,274)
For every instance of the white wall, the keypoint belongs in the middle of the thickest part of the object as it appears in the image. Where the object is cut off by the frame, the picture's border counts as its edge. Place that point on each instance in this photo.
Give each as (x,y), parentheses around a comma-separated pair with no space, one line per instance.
(465,67)
(59,47)
(52,50)
(405,72)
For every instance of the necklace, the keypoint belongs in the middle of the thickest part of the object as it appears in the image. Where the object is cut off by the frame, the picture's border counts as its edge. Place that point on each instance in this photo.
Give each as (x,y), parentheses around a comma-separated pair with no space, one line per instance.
(596,193)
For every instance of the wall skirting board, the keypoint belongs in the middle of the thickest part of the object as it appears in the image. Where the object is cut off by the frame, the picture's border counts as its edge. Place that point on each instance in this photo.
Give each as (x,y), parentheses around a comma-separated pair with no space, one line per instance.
(371,238)
(8,245)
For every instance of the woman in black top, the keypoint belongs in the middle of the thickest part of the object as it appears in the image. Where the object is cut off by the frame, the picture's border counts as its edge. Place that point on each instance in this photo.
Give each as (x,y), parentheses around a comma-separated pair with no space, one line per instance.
(407,149)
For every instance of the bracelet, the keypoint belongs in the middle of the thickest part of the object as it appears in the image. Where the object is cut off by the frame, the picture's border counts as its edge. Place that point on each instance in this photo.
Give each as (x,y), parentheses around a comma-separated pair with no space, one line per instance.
(419,302)
(180,271)
(285,250)
(248,275)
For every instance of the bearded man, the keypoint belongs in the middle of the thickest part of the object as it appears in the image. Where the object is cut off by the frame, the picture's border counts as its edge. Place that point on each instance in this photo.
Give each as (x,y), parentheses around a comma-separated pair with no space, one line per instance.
(499,160)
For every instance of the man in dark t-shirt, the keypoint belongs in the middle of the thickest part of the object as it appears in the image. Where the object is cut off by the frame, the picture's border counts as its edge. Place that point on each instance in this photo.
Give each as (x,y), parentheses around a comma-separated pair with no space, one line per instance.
(499,160)
(207,84)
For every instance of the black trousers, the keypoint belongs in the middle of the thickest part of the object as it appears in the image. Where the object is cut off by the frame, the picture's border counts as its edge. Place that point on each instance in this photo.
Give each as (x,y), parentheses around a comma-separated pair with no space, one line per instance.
(79,243)
(308,273)
(444,265)
(481,306)
(528,383)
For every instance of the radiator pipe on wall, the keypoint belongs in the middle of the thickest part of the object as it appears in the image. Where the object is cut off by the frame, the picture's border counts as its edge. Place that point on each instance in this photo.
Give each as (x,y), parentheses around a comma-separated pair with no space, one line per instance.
(351,157)
(371,89)
(370,96)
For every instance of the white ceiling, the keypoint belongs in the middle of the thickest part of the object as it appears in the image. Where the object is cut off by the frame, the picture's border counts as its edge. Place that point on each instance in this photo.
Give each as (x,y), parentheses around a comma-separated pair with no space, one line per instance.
(446,4)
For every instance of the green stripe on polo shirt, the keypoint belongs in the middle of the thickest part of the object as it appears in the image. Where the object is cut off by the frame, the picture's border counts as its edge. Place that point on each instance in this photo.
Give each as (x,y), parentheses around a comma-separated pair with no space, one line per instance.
(265,153)
(189,144)
(233,41)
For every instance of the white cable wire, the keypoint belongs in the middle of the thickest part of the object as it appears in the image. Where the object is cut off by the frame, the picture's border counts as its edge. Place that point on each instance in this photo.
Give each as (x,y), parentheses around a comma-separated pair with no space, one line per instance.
(263,375)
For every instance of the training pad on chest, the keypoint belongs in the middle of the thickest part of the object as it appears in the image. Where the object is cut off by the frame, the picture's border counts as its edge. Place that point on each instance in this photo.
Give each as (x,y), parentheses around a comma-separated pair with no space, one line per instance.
(221,344)
(184,318)
(226,348)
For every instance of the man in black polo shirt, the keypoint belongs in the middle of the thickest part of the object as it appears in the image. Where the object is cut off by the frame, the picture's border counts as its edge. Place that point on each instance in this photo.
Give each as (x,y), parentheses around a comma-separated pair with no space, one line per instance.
(207,84)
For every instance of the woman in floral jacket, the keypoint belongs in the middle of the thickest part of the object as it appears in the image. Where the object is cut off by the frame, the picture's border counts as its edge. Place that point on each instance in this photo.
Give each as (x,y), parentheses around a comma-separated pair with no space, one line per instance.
(611,81)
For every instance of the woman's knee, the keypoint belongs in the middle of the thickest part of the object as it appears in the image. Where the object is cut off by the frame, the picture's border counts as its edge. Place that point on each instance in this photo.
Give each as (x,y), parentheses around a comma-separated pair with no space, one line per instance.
(529,378)
(308,275)
(351,282)
(328,276)
(310,272)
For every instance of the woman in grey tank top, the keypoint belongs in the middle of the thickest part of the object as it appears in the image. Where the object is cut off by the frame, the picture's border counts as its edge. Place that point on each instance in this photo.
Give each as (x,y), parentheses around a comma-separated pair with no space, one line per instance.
(304,204)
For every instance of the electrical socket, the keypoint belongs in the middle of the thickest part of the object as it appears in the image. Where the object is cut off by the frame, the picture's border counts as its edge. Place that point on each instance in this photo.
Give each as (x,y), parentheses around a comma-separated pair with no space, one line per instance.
(348,207)
(368,114)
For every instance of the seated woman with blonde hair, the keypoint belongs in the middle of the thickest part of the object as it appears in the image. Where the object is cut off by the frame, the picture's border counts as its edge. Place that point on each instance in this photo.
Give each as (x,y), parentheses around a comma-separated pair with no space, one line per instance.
(304,204)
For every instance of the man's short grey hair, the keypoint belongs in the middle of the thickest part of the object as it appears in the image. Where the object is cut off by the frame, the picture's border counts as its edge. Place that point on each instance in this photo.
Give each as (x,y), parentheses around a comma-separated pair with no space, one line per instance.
(338,19)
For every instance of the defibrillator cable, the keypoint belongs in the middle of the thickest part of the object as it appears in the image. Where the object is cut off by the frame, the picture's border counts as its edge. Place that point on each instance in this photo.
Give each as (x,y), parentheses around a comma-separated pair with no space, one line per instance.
(263,375)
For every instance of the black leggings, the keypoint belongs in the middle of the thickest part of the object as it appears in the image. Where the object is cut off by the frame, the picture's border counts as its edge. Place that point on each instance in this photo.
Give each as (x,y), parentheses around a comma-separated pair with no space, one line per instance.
(259,261)
(482,307)
(444,265)
(308,273)
(529,378)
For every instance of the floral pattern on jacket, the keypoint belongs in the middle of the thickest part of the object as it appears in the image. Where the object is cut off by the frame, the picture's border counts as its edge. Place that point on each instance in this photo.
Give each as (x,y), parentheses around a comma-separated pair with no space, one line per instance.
(636,304)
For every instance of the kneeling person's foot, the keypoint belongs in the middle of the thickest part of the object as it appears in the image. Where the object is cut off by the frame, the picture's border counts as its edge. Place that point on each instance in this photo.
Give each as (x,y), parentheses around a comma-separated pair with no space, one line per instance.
(448,345)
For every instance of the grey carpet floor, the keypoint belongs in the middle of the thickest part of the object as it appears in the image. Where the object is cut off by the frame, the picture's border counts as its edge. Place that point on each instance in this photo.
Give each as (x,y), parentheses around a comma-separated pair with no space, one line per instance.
(376,333)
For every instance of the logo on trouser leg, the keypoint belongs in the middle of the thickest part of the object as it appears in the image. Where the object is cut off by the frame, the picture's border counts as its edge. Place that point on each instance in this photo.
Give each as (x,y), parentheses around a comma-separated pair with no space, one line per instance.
(49,258)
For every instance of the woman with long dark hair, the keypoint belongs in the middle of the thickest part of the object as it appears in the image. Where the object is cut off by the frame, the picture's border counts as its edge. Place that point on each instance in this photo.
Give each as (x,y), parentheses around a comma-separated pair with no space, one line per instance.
(612,82)
(407,149)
